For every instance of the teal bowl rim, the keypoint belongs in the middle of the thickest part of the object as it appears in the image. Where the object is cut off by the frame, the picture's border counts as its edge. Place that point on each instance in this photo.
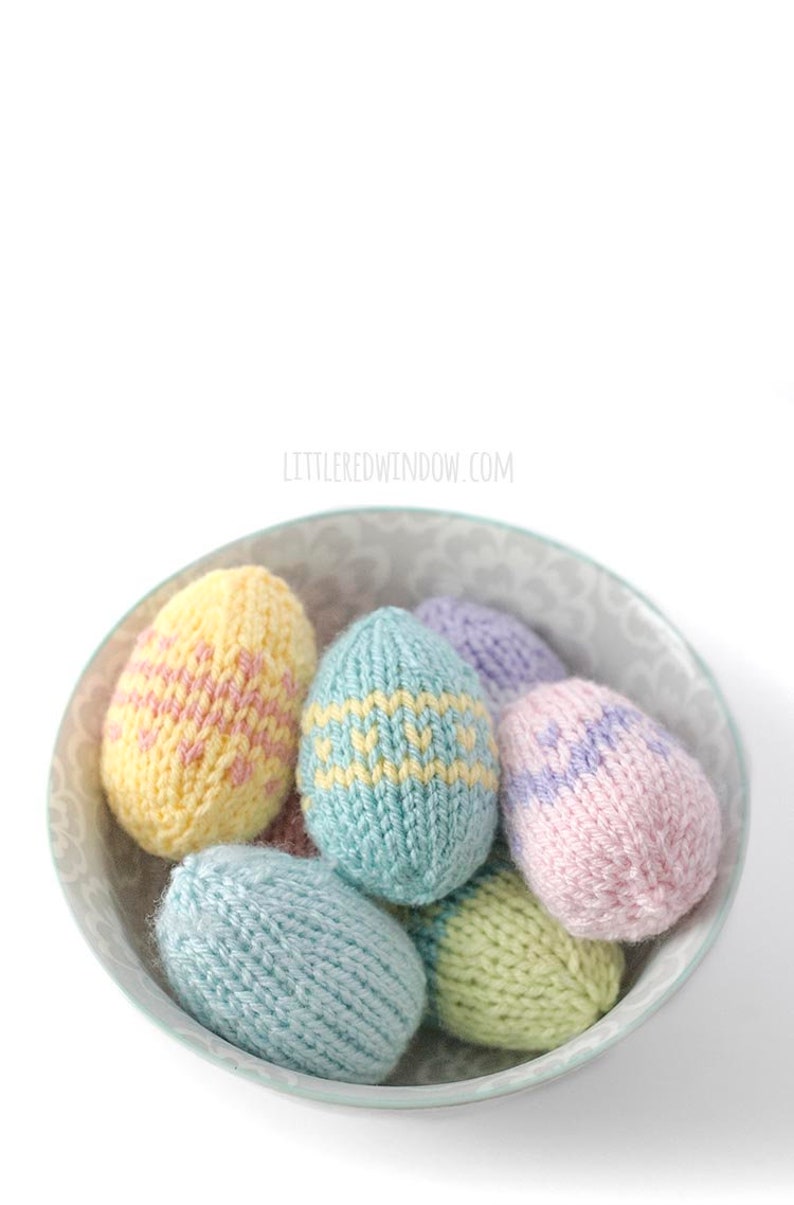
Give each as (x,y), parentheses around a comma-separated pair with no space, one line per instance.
(427,1096)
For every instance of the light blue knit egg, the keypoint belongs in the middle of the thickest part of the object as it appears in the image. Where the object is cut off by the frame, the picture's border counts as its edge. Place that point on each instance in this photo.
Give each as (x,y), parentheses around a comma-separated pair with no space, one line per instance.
(282,959)
(397,763)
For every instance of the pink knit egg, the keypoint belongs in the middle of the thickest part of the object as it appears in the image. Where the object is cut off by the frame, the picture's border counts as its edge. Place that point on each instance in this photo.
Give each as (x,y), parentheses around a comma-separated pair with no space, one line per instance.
(613,824)
(288,831)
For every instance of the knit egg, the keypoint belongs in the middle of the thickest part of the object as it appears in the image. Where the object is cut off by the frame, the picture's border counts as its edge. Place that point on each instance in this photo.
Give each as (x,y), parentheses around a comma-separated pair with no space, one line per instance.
(508,656)
(502,972)
(398,765)
(288,831)
(201,736)
(614,825)
(279,957)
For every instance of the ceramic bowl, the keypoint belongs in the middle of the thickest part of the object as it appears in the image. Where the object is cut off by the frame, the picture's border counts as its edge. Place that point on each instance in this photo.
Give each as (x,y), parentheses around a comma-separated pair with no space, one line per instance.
(342,565)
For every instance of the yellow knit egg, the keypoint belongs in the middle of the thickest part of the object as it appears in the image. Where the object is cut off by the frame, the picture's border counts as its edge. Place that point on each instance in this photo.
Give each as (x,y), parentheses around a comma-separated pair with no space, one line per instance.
(201,736)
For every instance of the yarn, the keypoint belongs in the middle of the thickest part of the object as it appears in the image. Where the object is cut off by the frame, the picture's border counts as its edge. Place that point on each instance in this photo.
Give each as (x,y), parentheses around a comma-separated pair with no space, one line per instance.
(397,764)
(279,957)
(614,825)
(502,972)
(288,831)
(201,736)
(508,656)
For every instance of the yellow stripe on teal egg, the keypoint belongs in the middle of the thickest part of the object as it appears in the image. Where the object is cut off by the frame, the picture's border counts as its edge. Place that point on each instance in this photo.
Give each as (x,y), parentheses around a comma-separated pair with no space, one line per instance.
(318,715)
(449,773)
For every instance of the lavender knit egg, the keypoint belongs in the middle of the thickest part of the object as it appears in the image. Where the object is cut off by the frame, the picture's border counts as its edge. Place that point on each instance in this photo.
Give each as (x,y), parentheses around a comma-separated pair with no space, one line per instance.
(614,825)
(397,763)
(280,958)
(508,656)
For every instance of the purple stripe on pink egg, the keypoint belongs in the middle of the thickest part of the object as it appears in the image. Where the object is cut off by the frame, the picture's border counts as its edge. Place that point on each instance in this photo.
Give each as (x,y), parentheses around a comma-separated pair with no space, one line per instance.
(584,757)
(550,736)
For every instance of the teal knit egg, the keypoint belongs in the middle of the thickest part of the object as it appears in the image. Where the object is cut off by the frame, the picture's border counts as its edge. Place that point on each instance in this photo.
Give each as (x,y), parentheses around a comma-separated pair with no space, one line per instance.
(397,762)
(279,957)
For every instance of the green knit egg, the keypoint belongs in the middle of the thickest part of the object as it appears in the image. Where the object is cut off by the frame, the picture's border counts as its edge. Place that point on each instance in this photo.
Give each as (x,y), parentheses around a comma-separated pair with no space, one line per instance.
(502,972)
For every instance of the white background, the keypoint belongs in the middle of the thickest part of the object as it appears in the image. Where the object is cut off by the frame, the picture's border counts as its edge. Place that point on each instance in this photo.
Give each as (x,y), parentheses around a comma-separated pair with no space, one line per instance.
(233,230)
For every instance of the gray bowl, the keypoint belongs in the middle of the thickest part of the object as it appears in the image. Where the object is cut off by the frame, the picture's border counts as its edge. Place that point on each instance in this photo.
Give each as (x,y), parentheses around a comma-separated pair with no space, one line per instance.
(342,565)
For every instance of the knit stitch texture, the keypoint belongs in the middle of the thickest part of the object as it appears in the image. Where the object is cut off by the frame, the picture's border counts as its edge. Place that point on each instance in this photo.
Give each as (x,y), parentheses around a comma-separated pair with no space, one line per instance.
(279,957)
(501,972)
(288,831)
(508,656)
(201,736)
(614,825)
(398,766)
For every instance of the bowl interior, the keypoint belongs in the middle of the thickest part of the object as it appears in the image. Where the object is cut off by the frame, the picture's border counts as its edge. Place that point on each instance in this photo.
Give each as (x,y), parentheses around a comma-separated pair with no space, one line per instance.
(343,565)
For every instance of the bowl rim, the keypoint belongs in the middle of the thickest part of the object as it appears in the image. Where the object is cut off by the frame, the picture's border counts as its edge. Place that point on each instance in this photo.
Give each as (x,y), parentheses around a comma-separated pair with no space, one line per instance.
(442,1094)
